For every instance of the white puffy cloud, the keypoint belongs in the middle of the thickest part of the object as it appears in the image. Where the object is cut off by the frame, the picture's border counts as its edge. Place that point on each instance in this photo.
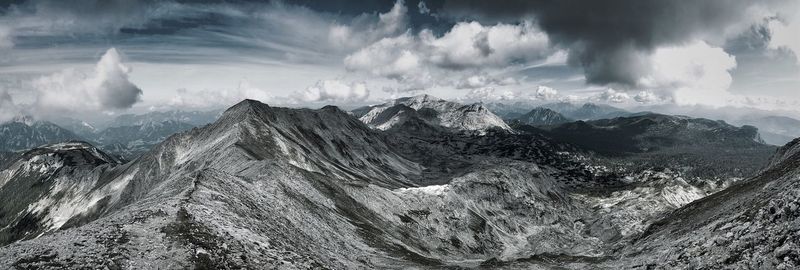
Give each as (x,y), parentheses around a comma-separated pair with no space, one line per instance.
(333,90)
(646,97)
(545,93)
(469,45)
(491,94)
(785,35)
(364,30)
(541,94)
(426,60)
(483,80)
(212,98)
(390,57)
(105,88)
(695,74)
(614,96)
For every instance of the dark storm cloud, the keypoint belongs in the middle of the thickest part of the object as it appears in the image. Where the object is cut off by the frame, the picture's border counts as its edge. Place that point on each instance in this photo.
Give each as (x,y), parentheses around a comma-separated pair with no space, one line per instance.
(609,38)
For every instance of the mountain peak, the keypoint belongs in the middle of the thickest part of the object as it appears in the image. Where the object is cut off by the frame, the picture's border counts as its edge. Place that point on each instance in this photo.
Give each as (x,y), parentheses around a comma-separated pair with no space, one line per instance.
(246,107)
(24,119)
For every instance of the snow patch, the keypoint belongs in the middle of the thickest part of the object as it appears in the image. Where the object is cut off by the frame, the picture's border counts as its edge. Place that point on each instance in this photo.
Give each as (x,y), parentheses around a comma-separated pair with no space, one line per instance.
(435,190)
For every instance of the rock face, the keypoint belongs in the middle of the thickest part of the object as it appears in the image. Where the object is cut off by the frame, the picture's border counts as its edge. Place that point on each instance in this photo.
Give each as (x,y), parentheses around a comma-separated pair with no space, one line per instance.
(751,225)
(473,117)
(265,187)
(23,133)
(543,117)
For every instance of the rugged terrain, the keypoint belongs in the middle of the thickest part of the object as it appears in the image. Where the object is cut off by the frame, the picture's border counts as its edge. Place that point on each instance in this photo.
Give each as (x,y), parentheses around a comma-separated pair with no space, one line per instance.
(435,111)
(266,187)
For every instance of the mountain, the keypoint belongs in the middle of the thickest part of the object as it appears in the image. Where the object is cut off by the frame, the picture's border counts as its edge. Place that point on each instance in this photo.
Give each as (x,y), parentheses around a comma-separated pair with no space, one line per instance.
(510,110)
(473,117)
(22,133)
(543,117)
(195,118)
(264,187)
(776,130)
(751,225)
(130,141)
(267,187)
(47,173)
(698,145)
(587,111)
(80,128)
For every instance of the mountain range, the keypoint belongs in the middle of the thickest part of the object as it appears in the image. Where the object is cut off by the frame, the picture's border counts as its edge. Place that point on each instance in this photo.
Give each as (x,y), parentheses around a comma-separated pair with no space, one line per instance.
(269,187)
(440,112)
(126,136)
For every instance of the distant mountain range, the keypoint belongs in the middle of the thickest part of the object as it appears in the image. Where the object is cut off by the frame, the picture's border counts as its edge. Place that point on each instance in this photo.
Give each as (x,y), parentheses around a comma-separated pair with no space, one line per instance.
(776,130)
(657,139)
(586,111)
(472,117)
(23,133)
(541,116)
(126,136)
(194,118)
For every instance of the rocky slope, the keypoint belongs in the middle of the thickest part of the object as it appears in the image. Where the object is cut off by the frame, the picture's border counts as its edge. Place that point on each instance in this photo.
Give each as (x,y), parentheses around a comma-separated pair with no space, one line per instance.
(751,225)
(37,186)
(473,117)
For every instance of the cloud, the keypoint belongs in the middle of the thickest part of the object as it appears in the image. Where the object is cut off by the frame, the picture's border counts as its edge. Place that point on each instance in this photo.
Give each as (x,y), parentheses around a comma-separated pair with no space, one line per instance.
(784,35)
(364,30)
(613,96)
(470,45)
(611,40)
(213,98)
(5,38)
(47,17)
(8,109)
(545,93)
(423,8)
(424,60)
(106,88)
(695,74)
(483,80)
(334,90)
(646,97)
(540,94)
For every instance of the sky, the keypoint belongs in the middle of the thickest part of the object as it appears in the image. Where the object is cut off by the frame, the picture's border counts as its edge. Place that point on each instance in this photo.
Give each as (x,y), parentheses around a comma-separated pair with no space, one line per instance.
(93,57)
